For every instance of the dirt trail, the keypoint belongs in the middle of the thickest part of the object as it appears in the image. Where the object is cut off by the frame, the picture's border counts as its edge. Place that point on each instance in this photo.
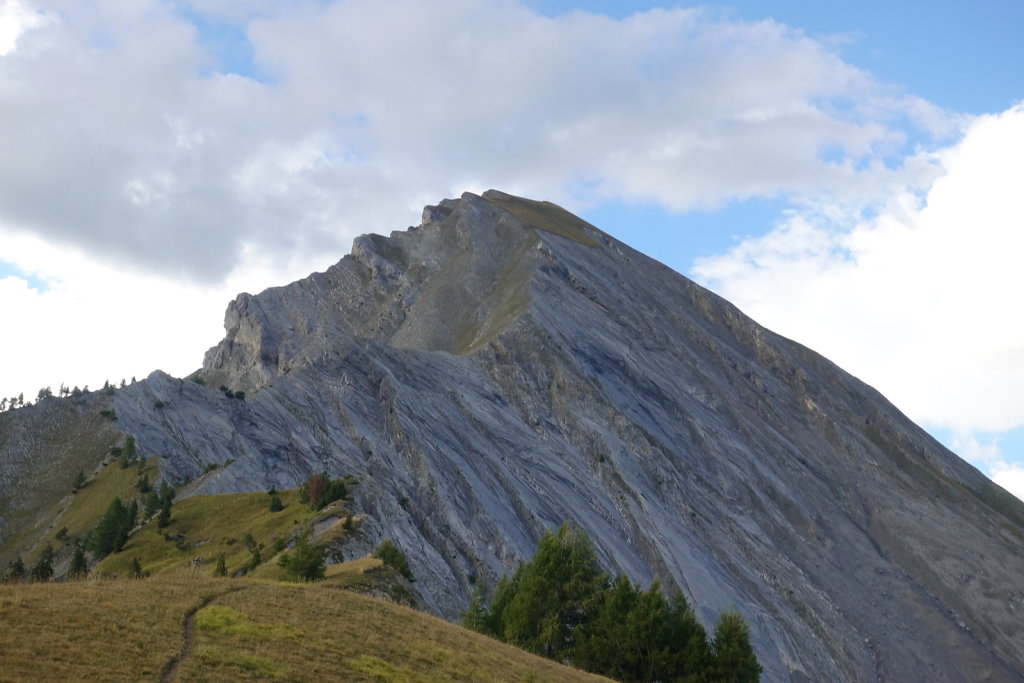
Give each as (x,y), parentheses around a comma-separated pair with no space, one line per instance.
(188,628)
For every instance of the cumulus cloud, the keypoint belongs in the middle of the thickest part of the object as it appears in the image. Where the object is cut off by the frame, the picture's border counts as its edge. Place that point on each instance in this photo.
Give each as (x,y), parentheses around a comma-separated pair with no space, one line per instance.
(94,323)
(1010,476)
(919,300)
(124,137)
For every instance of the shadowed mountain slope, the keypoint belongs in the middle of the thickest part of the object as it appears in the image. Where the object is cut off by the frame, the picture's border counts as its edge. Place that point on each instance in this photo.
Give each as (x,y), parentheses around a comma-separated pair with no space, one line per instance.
(506,366)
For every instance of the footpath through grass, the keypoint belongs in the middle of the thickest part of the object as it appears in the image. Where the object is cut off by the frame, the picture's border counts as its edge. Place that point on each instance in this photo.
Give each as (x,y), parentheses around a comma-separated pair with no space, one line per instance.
(131,629)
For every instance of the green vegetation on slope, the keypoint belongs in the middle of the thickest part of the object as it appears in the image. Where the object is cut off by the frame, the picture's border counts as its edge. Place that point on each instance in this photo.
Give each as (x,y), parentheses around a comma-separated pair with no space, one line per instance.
(241,629)
(68,436)
(228,525)
(544,216)
(562,606)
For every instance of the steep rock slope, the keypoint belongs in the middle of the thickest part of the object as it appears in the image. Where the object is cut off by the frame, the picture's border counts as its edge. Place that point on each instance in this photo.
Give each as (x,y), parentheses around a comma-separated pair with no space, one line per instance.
(505,366)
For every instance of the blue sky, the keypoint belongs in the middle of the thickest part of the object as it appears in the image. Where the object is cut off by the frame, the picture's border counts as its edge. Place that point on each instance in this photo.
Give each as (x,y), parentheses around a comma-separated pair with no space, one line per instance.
(846,173)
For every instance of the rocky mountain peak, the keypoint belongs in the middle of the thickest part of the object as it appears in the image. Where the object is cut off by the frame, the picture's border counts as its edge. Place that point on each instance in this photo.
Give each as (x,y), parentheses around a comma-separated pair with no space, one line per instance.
(505,366)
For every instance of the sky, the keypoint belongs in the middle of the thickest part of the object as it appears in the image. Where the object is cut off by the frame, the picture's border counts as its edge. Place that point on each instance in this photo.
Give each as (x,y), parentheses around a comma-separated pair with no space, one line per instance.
(848,174)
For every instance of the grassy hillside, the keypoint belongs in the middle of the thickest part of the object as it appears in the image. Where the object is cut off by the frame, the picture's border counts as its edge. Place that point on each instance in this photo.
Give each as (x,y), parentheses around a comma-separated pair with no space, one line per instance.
(42,449)
(194,627)
(211,526)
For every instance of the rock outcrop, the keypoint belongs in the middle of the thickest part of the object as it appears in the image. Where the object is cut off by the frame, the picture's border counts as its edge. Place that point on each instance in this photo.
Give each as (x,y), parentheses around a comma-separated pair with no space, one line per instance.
(506,366)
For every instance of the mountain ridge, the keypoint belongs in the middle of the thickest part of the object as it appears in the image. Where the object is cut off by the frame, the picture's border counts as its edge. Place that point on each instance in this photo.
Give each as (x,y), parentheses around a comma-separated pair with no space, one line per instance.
(505,366)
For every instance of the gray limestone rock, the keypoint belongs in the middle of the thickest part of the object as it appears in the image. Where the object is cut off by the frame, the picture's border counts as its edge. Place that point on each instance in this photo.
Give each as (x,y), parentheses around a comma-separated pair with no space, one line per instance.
(506,366)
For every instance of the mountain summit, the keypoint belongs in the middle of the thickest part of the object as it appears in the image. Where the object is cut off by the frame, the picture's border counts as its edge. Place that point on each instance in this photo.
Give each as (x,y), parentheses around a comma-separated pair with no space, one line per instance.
(506,366)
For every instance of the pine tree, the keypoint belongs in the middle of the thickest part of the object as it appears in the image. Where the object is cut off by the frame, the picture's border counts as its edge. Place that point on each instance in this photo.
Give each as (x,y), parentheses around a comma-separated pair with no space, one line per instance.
(110,534)
(304,563)
(150,504)
(256,559)
(477,615)
(79,567)
(165,515)
(222,568)
(43,569)
(733,657)
(15,571)
(542,606)
(136,569)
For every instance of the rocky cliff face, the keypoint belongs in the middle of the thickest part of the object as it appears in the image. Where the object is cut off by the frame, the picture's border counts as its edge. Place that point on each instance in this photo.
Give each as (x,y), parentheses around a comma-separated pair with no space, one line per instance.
(505,366)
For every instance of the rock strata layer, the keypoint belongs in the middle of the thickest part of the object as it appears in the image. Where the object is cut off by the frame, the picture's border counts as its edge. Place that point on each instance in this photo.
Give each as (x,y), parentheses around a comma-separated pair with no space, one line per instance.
(505,366)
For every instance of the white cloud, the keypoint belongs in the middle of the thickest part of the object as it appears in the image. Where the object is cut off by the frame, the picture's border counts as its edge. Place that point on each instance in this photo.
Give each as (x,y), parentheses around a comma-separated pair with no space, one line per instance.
(121,138)
(93,323)
(921,300)
(16,19)
(123,143)
(1010,477)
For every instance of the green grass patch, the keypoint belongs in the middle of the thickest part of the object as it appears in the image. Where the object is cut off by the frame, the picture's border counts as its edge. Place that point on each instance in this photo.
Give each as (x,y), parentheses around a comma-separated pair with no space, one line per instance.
(545,216)
(245,664)
(68,436)
(210,526)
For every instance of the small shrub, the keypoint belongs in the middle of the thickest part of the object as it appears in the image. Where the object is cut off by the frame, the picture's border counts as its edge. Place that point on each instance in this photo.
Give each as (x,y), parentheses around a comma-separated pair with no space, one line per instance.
(79,567)
(388,553)
(319,491)
(275,503)
(221,569)
(109,414)
(165,515)
(255,560)
(15,571)
(304,563)
(43,569)
(136,570)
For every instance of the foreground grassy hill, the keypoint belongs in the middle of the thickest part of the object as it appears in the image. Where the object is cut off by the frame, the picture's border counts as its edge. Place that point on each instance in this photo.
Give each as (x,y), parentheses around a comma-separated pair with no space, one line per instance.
(183,626)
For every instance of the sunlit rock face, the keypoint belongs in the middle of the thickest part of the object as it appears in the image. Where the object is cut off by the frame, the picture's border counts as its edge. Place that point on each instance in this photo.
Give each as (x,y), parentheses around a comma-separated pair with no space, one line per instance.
(505,366)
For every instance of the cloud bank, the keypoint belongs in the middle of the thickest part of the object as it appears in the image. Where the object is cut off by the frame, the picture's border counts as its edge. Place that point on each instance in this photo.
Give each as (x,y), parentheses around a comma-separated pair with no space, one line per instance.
(127,135)
(918,300)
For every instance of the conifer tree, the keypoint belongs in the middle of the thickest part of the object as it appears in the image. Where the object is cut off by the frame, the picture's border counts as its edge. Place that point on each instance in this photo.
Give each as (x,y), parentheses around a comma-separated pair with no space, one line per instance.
(79,567)
(150,504)
(110,534)
(165,514)
(256,559)
(305,562)
(542,606)
(136,569)
(560,605)
(43,569)
(15,571)
(733,657)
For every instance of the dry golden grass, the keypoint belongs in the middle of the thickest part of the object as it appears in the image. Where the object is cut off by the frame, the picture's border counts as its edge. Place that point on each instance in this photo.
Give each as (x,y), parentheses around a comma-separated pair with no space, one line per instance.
(101,630)
(132,630)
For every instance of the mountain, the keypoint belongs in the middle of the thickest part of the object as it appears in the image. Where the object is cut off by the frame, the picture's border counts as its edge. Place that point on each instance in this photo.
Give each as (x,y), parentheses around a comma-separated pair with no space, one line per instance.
(505,366)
